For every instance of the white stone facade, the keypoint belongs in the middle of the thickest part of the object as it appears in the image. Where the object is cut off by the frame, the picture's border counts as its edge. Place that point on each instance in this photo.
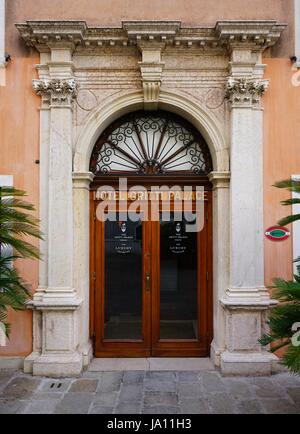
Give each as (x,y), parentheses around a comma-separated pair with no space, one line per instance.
(89,77)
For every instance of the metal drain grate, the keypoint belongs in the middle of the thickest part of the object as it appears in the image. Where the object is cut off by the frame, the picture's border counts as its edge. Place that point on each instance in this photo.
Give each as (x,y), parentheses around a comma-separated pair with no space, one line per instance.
(55,385)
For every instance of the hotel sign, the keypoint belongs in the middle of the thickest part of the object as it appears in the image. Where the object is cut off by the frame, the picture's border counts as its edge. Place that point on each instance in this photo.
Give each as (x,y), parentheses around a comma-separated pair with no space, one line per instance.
(277,233)
(177,241)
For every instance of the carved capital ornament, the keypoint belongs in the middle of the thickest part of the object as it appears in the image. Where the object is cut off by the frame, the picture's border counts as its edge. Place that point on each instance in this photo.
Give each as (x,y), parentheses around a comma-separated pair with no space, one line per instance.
(241,91)
(55,90)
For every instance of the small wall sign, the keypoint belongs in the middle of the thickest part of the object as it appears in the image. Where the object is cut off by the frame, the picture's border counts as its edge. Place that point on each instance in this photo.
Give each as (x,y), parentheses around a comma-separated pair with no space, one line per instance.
(277,233)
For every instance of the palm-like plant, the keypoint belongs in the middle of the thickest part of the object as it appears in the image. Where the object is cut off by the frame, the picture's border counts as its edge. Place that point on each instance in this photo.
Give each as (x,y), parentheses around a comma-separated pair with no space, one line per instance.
(285,315)
(15,223)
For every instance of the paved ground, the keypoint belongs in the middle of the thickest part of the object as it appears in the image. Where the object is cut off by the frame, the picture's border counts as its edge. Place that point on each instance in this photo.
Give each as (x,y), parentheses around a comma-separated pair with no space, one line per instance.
(159,392)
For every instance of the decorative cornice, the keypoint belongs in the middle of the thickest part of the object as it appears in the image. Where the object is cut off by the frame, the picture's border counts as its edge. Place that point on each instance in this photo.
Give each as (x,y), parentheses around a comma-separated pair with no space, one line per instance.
(164,31)
(258,34)
(39,34)
(241,91)
(55,90)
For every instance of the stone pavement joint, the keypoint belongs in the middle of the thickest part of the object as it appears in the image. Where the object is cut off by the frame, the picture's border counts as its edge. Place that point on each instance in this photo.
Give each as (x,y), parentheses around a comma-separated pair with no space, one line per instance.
(149,392)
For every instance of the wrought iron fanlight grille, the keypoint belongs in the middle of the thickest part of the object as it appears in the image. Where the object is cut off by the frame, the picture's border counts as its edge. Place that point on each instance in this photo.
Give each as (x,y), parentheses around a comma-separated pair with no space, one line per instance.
(150,143)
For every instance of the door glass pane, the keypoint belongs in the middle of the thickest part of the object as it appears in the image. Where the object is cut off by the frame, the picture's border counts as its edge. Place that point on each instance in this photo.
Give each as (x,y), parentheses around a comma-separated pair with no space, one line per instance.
(178,281)
(123,280)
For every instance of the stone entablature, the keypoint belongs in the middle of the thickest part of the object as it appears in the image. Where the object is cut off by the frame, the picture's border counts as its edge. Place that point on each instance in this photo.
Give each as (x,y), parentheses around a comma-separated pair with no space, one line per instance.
(260,33)
(160,42)
(150,56)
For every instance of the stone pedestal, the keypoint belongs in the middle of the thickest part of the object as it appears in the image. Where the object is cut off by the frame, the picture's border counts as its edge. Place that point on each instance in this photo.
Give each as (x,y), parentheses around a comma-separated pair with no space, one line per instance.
(56,339)
(245,323)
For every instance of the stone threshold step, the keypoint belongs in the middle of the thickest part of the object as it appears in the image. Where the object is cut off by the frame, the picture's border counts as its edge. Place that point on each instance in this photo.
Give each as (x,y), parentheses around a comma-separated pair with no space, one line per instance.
(151,364)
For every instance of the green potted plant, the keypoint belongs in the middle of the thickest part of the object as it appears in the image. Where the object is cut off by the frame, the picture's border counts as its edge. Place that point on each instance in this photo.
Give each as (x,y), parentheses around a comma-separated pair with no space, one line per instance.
(16,223)
(284,318)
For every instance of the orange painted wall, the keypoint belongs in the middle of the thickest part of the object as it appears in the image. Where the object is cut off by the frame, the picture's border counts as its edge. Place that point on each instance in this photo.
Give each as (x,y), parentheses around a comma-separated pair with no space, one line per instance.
(281,158)
(19,148)
(19,114)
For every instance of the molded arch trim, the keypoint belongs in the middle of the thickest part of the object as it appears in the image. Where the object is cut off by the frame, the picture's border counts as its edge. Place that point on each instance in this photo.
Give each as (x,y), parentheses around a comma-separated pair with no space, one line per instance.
(103,116)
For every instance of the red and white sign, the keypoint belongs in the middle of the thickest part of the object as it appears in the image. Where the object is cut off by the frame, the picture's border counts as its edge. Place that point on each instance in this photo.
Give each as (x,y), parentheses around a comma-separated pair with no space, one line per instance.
(277,233)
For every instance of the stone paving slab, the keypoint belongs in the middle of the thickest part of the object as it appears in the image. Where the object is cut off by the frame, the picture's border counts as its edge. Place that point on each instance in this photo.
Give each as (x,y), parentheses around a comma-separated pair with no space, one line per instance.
(152,364)
(149,392)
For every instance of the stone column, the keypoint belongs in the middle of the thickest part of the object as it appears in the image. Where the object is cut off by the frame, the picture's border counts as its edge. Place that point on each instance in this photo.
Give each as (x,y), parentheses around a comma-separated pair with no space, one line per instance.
(81,211)
(220,181)
(56,301)
(246,299)
(43,212)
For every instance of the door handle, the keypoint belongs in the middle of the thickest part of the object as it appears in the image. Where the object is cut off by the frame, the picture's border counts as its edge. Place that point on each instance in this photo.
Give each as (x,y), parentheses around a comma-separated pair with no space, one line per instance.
(148,280)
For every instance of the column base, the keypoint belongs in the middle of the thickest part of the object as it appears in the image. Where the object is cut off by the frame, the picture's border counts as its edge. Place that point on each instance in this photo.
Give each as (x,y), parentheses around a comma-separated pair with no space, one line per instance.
(55,329)
(257,364)
(246,312)
(215,355)
(54,365)
(87,354)
(29,361)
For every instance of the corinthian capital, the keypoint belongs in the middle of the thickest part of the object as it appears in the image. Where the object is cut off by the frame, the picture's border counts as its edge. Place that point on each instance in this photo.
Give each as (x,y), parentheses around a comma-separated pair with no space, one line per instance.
(55,90)
(241,91)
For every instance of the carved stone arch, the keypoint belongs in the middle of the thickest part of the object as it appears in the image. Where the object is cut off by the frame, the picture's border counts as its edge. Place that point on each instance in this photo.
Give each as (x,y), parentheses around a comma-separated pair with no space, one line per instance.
(151,143)
(200,117)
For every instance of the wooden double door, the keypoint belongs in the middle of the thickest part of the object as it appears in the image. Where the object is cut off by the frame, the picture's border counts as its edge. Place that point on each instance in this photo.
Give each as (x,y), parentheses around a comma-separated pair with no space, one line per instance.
(151,289)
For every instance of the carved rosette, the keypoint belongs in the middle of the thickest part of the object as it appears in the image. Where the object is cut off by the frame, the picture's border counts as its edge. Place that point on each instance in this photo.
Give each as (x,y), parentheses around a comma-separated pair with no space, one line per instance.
(241,91)
(56,91)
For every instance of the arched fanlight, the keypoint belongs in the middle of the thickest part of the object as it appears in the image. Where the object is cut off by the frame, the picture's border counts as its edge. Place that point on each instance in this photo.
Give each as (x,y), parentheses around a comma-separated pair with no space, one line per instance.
(150,143)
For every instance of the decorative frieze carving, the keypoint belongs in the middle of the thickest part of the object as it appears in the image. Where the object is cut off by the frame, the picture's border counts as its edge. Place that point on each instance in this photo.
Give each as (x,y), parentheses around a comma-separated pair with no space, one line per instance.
(56,91)
(241,91)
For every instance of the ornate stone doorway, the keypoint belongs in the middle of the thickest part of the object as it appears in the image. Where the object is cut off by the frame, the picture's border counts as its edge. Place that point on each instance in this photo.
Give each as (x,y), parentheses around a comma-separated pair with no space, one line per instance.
(89,77)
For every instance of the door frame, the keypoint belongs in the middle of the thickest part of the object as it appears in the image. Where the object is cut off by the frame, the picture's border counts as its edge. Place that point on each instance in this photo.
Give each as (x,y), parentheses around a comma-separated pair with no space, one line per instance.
(153,347)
